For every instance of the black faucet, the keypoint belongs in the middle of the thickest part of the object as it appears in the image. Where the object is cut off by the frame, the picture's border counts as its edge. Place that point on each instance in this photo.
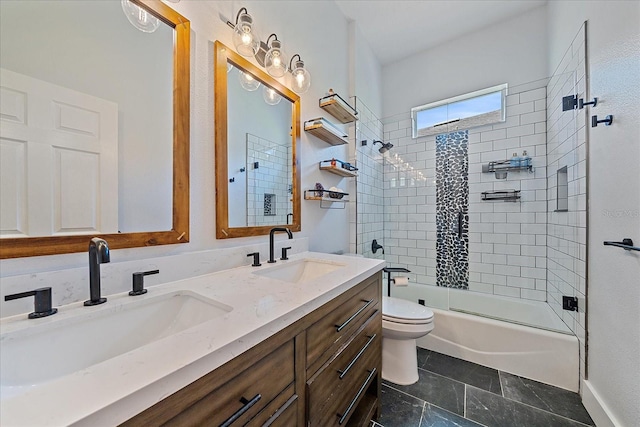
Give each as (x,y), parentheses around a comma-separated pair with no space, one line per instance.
(271,233)
(98,254)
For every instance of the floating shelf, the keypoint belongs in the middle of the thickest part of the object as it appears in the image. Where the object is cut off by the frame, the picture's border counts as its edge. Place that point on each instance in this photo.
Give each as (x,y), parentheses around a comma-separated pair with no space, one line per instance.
(326,131)
(506,195)
(341,170)
(327,202)
(338,108)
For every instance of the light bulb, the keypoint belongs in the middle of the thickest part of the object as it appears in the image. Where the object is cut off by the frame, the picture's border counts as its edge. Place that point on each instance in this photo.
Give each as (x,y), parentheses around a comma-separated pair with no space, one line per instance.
(139,18)
(274,61)
(248,82)
(301,78)
(244,37)
(270,96)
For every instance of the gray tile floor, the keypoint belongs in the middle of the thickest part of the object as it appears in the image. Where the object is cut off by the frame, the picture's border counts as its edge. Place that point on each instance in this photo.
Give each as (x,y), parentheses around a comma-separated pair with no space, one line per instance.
(454,392)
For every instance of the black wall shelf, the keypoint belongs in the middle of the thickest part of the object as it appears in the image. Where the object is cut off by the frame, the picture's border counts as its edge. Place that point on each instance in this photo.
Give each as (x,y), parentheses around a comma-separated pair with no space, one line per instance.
(505,195)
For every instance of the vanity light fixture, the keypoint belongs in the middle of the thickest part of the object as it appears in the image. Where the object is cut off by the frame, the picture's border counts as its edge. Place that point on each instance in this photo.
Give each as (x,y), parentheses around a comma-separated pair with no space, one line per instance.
(247,81)
(140,18)
(245,39)
(270,96)
(275,61)
(301,79)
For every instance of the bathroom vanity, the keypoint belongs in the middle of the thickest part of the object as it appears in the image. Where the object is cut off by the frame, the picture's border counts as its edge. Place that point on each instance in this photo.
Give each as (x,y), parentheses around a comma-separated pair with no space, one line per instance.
(295,343)
(324,368)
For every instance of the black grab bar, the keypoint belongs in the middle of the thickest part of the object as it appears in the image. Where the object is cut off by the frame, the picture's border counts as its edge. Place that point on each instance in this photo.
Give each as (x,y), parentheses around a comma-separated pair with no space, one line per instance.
(626,244)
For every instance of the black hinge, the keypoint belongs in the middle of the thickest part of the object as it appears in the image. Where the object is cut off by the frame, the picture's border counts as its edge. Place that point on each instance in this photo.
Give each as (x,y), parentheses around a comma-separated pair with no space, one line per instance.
(569,303)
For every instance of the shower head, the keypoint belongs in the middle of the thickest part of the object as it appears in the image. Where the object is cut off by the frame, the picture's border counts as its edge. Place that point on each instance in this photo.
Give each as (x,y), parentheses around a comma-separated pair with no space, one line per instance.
(385,146)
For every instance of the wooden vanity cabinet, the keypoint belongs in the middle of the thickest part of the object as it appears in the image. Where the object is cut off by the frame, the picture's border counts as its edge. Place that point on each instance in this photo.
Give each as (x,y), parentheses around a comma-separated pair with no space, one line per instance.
(323,370)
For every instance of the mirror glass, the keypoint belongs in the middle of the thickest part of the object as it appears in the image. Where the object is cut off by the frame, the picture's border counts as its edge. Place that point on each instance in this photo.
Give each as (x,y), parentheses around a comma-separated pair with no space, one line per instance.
(259,153)
(257,186)
(89,121)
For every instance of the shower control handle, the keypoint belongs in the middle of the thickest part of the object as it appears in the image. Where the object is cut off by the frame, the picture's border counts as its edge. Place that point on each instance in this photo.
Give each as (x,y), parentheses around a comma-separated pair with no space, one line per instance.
(460,220)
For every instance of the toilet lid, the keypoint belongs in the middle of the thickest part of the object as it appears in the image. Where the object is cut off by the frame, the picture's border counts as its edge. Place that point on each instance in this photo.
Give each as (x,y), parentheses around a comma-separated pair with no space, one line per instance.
(403,311)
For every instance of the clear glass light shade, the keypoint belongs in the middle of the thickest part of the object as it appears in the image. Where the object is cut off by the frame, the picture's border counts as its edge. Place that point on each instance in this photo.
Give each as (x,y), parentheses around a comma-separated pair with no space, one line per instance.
(270,96)
(140,18)
(245,39)
(275,60)
(300,78)
(248,82)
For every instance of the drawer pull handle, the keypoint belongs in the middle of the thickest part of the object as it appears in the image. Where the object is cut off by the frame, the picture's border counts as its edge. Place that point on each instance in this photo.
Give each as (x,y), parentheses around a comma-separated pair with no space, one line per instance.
(247,405)
(354,315)
(355,399)
(355,359)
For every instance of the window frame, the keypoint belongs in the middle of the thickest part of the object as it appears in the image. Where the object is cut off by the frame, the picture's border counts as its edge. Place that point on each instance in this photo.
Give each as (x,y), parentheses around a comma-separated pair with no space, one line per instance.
(503,88)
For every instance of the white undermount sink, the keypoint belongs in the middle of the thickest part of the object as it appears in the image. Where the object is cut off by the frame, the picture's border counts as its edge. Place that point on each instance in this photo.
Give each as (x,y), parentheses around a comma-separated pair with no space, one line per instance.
(300,271)
(44,352)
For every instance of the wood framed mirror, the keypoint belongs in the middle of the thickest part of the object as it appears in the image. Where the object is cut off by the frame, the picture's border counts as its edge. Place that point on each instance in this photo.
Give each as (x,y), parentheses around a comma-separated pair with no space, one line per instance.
(76,217)
(257,128)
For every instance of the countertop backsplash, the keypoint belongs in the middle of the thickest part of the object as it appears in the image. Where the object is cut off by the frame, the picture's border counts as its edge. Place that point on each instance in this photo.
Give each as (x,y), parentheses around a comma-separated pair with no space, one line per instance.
(72,285)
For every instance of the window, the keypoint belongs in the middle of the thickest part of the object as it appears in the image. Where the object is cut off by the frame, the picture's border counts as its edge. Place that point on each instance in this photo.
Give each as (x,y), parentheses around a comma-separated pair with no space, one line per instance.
(478,108)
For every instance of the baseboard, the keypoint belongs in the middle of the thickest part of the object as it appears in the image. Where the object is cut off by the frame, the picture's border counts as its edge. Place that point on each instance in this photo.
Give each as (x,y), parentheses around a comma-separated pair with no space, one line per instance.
(596,408)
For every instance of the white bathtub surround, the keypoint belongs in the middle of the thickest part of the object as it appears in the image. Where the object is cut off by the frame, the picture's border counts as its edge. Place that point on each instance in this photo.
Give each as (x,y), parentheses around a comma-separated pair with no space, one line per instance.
(119,388)
(548,357)
(72,285)
(536,314)
(507,240)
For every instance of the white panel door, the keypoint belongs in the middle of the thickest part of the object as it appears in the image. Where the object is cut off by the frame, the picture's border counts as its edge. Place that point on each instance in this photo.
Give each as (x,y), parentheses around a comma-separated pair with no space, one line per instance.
(59,152)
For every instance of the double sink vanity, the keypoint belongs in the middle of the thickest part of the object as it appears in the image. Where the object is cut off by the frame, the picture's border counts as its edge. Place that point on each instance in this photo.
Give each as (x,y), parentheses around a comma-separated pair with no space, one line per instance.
(292,343)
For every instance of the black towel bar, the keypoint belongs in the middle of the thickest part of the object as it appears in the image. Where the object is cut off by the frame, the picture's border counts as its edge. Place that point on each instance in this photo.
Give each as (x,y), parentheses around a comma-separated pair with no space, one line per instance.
(626,244)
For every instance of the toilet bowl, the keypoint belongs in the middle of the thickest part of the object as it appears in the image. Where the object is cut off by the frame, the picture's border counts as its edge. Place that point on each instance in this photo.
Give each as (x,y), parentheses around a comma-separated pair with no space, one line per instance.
(402,323)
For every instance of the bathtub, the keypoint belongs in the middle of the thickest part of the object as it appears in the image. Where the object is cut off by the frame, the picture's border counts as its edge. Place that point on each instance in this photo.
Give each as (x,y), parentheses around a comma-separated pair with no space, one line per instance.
(538,354)
(522,337)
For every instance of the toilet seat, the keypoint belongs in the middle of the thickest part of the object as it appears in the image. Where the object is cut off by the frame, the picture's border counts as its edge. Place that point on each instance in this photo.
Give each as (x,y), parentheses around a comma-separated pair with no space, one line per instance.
(397,310)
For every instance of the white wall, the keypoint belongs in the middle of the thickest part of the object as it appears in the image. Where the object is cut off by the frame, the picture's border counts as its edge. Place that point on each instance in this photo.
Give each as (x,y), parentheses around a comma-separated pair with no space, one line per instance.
(513,51)
(302,27)
(613,289)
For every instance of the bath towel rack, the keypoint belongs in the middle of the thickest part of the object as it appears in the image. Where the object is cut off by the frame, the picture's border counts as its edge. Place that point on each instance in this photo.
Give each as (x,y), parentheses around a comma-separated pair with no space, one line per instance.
(626,244)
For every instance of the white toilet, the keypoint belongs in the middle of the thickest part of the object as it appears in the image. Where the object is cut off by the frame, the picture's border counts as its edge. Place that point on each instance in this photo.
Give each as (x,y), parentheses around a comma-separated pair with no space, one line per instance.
(402,323)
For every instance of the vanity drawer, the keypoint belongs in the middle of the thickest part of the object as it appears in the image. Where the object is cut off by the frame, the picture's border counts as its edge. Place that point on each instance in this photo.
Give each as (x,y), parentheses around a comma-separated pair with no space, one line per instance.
(333,329)
(337,383)
(247,394)
(276,409)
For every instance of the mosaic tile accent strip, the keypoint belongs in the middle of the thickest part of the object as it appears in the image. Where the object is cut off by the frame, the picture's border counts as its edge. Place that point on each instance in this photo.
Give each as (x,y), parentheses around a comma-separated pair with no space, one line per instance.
(452,207)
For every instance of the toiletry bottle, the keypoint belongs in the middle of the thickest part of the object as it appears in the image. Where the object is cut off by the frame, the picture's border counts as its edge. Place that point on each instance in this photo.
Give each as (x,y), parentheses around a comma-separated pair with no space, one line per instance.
(525,160)
(333,163)
(515,160)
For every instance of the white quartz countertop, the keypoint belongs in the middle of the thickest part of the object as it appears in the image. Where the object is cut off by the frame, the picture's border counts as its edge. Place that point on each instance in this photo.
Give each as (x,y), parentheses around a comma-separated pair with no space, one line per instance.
(117,389)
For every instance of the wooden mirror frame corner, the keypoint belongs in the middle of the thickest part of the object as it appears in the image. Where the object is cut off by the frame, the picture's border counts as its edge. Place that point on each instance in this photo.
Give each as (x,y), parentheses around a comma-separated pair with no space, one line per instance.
(179,233)
(222,56)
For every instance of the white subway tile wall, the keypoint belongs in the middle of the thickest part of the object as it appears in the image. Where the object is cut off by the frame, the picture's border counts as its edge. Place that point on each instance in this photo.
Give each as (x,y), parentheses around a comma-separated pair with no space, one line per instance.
(272,176)
(566,146)
(507,240)
(368,213)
